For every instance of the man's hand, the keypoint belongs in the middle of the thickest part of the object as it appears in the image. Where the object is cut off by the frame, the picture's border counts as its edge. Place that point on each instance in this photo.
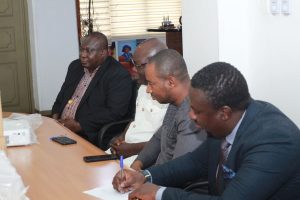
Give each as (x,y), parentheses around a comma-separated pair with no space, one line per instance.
(137,165)
(123,148)
(120,147)
(71,124)
(145,192)
(131,180)
(55,116)
(117,140)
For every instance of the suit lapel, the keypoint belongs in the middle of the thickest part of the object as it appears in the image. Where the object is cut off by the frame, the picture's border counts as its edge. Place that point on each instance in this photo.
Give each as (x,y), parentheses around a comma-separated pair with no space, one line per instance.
(233,161)
(250,114)
(99,74)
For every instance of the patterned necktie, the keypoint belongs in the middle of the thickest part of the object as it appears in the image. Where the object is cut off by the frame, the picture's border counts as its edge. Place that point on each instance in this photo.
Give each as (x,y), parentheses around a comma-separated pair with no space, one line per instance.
(223,157)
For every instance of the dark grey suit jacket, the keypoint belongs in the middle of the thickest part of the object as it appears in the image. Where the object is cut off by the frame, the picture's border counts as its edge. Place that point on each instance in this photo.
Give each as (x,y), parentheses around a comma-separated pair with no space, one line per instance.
(264,161)
(106,99)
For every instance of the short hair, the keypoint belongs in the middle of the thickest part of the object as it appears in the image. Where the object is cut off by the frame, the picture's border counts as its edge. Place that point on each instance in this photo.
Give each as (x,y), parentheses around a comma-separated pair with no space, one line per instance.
(126,46)
(169,62)
(98,37)
(223,84)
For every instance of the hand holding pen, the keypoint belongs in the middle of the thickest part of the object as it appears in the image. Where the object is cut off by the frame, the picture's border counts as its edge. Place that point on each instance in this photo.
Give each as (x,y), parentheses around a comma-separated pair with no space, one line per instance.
(127,179)
(121,168)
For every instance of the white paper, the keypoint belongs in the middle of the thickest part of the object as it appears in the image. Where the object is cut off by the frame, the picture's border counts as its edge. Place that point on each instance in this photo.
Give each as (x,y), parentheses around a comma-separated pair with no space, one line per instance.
(107,192)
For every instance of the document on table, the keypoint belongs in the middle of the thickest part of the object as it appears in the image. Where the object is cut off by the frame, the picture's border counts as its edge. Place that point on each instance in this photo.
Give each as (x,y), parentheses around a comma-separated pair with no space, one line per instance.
(106,192)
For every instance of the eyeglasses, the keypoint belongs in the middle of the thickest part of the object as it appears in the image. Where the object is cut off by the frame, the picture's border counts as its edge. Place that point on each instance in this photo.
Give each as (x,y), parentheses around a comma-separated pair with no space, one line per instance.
(138,66)
(87,50)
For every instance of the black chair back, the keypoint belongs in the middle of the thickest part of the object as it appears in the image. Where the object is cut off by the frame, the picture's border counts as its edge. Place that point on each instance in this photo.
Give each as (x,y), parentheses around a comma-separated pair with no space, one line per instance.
(114,129)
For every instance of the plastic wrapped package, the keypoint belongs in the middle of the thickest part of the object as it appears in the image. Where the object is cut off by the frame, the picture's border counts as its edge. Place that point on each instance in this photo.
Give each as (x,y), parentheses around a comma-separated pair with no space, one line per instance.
(19,129)
(34,120)
(11,185)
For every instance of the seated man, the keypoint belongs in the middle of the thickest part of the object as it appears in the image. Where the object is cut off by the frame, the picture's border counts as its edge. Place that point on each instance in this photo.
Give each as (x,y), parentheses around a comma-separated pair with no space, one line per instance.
(252,152)
(169,82)
(149,113)
(97,90)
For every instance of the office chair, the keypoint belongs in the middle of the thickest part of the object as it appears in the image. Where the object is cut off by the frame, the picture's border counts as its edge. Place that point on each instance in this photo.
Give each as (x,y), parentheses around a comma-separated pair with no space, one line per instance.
(113,129)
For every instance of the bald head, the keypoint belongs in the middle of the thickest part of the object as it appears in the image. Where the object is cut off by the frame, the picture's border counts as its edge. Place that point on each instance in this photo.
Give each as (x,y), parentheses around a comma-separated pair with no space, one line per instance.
(144,52)
(99,40)
(149,48)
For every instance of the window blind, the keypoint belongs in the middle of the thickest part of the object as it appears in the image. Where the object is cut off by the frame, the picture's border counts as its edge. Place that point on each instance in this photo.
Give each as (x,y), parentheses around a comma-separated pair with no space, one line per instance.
(130,18)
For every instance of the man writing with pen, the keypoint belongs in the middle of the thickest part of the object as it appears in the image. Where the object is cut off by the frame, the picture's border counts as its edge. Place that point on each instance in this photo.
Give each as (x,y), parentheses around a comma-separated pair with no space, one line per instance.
(263,147)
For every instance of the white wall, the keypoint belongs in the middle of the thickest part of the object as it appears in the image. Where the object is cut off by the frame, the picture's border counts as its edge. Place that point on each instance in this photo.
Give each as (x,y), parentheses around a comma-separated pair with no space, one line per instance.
(54,44)
(200,33)
(263,46)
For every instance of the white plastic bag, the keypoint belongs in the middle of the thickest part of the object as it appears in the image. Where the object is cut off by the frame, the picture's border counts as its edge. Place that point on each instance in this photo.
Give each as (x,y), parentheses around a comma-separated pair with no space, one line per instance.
(11,185)
(19,129)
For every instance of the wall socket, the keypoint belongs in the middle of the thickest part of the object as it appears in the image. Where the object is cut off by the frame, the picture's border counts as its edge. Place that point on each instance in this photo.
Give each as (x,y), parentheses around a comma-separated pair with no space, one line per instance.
(279,6)
(274,7)
(285,7)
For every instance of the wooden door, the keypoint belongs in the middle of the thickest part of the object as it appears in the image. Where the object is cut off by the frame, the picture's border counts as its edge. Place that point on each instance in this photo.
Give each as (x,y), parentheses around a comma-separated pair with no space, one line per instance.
(15,73)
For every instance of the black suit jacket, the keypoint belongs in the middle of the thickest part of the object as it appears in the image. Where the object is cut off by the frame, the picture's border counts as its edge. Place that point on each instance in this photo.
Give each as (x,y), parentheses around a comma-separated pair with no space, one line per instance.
(106,99)
(264,161)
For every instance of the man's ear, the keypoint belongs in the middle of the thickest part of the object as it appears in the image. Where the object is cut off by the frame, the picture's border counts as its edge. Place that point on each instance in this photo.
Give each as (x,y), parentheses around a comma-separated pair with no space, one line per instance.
(103,51)
(225,112)
(172,82)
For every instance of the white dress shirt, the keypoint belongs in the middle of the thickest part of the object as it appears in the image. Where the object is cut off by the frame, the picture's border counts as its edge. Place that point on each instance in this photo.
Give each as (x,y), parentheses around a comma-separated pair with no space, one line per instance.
(148,118)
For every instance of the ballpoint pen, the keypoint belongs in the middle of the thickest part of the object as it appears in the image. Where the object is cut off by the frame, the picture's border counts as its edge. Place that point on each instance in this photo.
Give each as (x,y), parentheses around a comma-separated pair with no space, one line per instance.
(122,167)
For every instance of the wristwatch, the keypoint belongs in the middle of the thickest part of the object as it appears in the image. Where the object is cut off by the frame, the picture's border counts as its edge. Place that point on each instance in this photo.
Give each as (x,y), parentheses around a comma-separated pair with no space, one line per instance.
(147,175)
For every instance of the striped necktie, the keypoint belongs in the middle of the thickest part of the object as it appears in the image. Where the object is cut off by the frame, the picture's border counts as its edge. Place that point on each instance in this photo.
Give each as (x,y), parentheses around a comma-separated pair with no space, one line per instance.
(224,151)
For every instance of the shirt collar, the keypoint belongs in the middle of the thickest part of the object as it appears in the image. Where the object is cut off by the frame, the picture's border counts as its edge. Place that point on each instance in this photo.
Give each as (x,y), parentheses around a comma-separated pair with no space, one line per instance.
(230,138)
(86,71)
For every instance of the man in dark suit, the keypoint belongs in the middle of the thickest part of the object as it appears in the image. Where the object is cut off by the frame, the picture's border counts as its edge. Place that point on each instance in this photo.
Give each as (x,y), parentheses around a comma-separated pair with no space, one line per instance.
(97,90)
(260,160)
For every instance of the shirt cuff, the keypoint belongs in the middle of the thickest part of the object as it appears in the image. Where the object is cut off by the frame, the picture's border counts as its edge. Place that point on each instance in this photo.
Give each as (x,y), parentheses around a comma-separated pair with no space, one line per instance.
(159,193)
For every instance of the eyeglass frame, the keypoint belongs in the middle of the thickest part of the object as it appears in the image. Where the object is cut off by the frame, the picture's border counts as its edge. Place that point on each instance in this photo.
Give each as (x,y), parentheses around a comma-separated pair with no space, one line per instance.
(138,66)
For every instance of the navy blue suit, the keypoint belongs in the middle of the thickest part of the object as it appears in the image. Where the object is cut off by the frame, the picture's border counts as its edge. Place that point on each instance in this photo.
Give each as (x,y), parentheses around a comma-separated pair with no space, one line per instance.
(264,161)
(106,99)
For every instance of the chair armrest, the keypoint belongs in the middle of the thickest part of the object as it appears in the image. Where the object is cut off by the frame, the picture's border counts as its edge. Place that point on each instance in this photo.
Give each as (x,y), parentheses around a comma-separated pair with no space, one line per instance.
(108,131)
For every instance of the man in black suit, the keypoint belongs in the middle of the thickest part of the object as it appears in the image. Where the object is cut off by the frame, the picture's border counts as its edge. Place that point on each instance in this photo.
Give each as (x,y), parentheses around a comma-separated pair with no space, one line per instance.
(97,90)
(260,158)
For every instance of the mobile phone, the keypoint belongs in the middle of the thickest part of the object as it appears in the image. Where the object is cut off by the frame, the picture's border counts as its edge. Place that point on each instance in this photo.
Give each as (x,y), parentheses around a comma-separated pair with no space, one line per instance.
(100,158)
(64,140)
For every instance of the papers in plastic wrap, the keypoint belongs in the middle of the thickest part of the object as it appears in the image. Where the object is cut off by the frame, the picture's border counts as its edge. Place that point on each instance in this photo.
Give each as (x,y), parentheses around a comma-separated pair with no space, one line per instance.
(19,129)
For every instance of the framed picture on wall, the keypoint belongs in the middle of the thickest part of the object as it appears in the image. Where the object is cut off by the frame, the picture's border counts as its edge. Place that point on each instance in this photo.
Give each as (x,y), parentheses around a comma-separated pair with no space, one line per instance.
(125,49)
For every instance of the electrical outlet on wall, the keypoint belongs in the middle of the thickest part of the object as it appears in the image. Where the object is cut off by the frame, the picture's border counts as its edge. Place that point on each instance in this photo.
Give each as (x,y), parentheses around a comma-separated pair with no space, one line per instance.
(285,7)
(274,7)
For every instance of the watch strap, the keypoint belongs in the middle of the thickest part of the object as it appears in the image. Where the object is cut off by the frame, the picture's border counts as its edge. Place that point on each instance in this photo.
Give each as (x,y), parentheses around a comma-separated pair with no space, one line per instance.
(147,175)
